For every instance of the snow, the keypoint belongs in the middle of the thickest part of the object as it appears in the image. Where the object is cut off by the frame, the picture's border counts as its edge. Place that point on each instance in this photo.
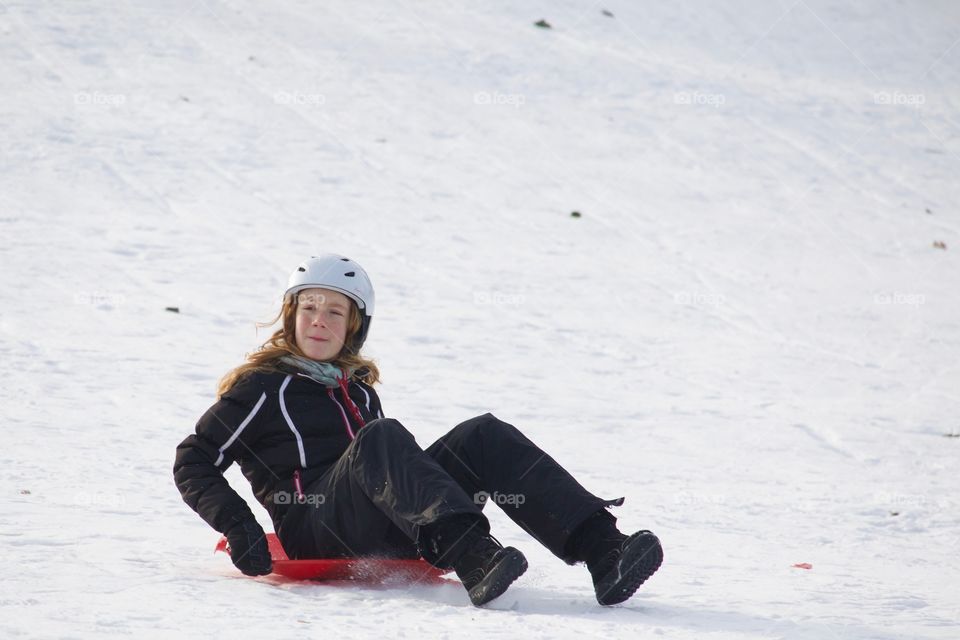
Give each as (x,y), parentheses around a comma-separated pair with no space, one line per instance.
(749,332)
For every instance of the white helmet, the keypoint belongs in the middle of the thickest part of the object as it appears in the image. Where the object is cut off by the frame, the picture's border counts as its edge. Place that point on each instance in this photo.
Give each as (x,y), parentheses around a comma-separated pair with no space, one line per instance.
(332,271)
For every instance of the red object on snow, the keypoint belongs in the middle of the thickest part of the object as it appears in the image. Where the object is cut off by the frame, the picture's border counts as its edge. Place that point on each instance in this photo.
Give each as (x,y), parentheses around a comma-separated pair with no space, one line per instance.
(803,565)
(367,569)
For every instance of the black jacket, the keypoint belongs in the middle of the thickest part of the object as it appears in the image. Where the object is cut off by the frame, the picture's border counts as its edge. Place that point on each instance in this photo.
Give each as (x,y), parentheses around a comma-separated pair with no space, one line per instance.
(273,424)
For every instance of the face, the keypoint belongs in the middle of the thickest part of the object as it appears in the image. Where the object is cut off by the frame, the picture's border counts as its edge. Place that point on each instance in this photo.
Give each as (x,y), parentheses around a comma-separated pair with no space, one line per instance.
(321,322)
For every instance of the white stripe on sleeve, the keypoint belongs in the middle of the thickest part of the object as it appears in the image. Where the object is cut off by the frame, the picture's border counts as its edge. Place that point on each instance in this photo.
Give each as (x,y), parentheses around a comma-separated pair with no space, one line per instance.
(243,425)
(293,427)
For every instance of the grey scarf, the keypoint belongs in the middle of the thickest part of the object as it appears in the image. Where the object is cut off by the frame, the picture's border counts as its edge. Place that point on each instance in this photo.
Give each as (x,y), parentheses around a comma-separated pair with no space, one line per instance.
(323,372)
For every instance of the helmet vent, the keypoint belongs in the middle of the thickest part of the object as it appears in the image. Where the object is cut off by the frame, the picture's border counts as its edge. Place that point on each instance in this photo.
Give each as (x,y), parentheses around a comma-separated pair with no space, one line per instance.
(301,269)
(350,274)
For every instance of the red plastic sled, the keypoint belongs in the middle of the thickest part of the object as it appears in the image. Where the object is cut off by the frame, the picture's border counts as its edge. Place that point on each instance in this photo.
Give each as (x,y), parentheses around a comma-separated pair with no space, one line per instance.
(364,569)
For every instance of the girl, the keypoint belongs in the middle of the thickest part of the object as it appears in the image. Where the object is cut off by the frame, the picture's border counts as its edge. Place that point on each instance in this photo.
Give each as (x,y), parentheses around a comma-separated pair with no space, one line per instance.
(340,480)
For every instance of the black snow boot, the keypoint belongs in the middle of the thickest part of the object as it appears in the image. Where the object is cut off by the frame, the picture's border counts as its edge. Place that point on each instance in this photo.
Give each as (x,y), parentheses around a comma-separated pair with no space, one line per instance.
(620,573)
(485,567)
(618,564)
(488,568)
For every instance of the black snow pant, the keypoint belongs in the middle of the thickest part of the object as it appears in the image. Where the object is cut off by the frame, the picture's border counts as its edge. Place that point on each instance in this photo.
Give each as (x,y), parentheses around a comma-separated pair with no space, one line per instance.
(375,498)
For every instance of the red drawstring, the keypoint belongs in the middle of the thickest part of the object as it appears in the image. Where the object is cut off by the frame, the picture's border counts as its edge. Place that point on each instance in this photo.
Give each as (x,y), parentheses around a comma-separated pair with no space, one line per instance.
(298,487)
(354,410)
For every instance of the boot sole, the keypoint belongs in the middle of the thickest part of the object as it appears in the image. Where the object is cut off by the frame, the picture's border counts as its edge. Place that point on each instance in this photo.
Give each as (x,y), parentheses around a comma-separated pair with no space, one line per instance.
(641,558)
(501,576)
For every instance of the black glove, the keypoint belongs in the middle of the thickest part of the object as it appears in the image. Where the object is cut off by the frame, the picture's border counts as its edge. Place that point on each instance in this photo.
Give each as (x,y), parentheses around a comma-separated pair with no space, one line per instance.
(248,548)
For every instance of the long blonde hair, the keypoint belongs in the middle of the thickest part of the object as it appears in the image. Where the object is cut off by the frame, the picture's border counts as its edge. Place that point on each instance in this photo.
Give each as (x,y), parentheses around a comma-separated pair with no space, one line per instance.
(284,342)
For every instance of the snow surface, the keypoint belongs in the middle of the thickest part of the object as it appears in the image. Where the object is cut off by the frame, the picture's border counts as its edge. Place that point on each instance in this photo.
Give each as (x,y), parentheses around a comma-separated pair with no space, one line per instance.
(749,333)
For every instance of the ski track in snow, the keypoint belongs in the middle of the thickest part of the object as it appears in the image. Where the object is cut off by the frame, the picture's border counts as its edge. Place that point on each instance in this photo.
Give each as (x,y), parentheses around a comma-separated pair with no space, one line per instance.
(748,333)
